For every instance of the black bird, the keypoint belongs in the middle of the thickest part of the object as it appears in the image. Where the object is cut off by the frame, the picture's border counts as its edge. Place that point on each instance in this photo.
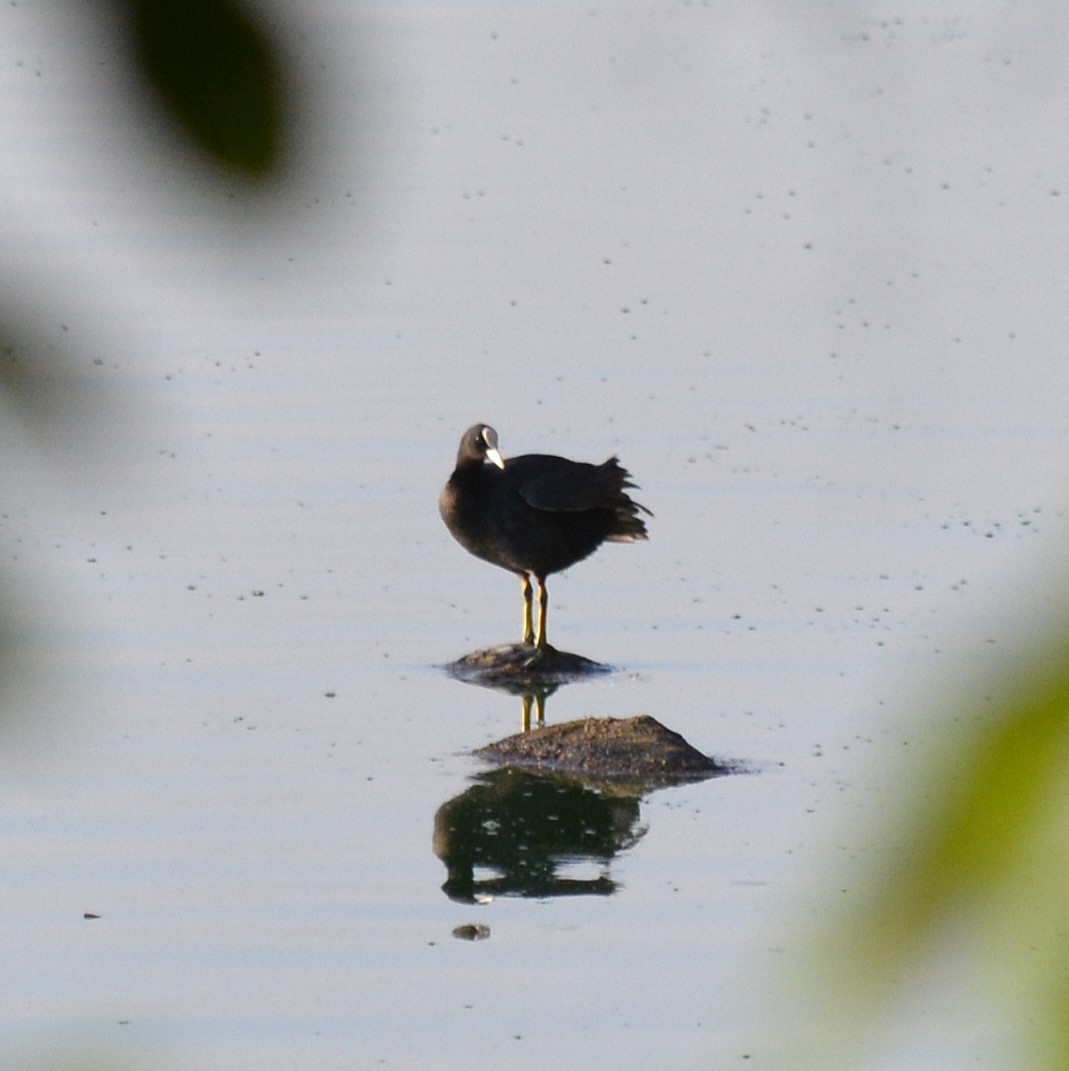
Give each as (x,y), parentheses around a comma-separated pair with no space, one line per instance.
(536,514)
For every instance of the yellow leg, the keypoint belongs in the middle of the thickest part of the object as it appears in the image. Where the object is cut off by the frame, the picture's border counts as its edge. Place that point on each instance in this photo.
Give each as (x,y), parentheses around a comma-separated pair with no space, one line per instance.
(543,606)
(528,625)
(538,701)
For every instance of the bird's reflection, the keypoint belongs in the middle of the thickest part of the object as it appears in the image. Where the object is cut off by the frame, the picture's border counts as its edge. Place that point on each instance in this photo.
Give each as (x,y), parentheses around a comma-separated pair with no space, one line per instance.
(518,832)
(538,699)
(532,701)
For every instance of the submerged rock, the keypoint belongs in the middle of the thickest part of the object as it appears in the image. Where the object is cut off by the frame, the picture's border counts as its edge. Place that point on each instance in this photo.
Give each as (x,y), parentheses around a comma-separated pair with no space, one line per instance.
(638,750)
(471,931)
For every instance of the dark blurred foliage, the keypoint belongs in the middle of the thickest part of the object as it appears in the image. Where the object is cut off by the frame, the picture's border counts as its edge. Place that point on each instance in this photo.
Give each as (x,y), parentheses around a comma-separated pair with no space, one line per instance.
(213,70)
(218,74)
(38,378)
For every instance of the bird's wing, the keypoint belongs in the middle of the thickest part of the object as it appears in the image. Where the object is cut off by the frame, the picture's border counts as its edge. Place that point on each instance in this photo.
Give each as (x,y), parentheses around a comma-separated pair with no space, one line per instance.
(565,486)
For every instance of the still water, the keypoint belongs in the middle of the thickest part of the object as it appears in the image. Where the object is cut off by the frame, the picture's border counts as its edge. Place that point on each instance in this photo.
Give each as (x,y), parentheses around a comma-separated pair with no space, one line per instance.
(791,272)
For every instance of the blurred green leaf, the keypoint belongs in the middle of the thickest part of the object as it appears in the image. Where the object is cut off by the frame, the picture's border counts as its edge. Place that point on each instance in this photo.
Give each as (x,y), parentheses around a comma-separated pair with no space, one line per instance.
(982,856)
(219,75)
(989,823)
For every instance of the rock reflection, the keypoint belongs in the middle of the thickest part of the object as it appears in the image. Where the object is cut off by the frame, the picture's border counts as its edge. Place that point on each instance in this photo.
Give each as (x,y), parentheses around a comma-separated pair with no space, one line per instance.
(532,673)
(516,832)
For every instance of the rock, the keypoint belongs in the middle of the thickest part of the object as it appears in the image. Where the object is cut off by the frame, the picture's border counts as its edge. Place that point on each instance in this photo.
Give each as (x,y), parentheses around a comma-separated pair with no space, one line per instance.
(522,666)
(638,751)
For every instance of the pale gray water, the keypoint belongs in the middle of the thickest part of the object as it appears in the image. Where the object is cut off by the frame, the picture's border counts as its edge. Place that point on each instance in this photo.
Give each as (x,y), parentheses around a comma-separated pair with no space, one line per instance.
(800,266)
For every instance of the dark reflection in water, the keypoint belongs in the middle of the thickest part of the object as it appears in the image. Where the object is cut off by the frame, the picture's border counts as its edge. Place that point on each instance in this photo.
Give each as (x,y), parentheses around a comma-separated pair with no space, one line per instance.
(514,831)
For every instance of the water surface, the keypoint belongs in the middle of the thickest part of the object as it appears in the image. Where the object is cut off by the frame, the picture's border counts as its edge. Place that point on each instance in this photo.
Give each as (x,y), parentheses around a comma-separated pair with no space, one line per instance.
(803,276)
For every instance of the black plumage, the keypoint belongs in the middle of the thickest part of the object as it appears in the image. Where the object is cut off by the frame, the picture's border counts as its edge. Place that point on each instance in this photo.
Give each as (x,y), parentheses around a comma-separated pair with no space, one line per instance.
(535,514)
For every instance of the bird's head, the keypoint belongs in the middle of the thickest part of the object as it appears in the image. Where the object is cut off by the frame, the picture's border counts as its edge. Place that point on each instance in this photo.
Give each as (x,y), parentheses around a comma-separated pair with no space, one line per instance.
(480,444)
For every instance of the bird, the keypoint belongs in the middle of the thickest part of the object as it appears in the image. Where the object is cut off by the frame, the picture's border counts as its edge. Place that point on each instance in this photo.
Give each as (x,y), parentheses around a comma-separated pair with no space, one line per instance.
(536,514)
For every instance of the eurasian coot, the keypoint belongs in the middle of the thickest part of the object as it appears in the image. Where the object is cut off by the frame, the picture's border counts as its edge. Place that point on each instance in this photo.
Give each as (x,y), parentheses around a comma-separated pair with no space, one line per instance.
(536,514)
